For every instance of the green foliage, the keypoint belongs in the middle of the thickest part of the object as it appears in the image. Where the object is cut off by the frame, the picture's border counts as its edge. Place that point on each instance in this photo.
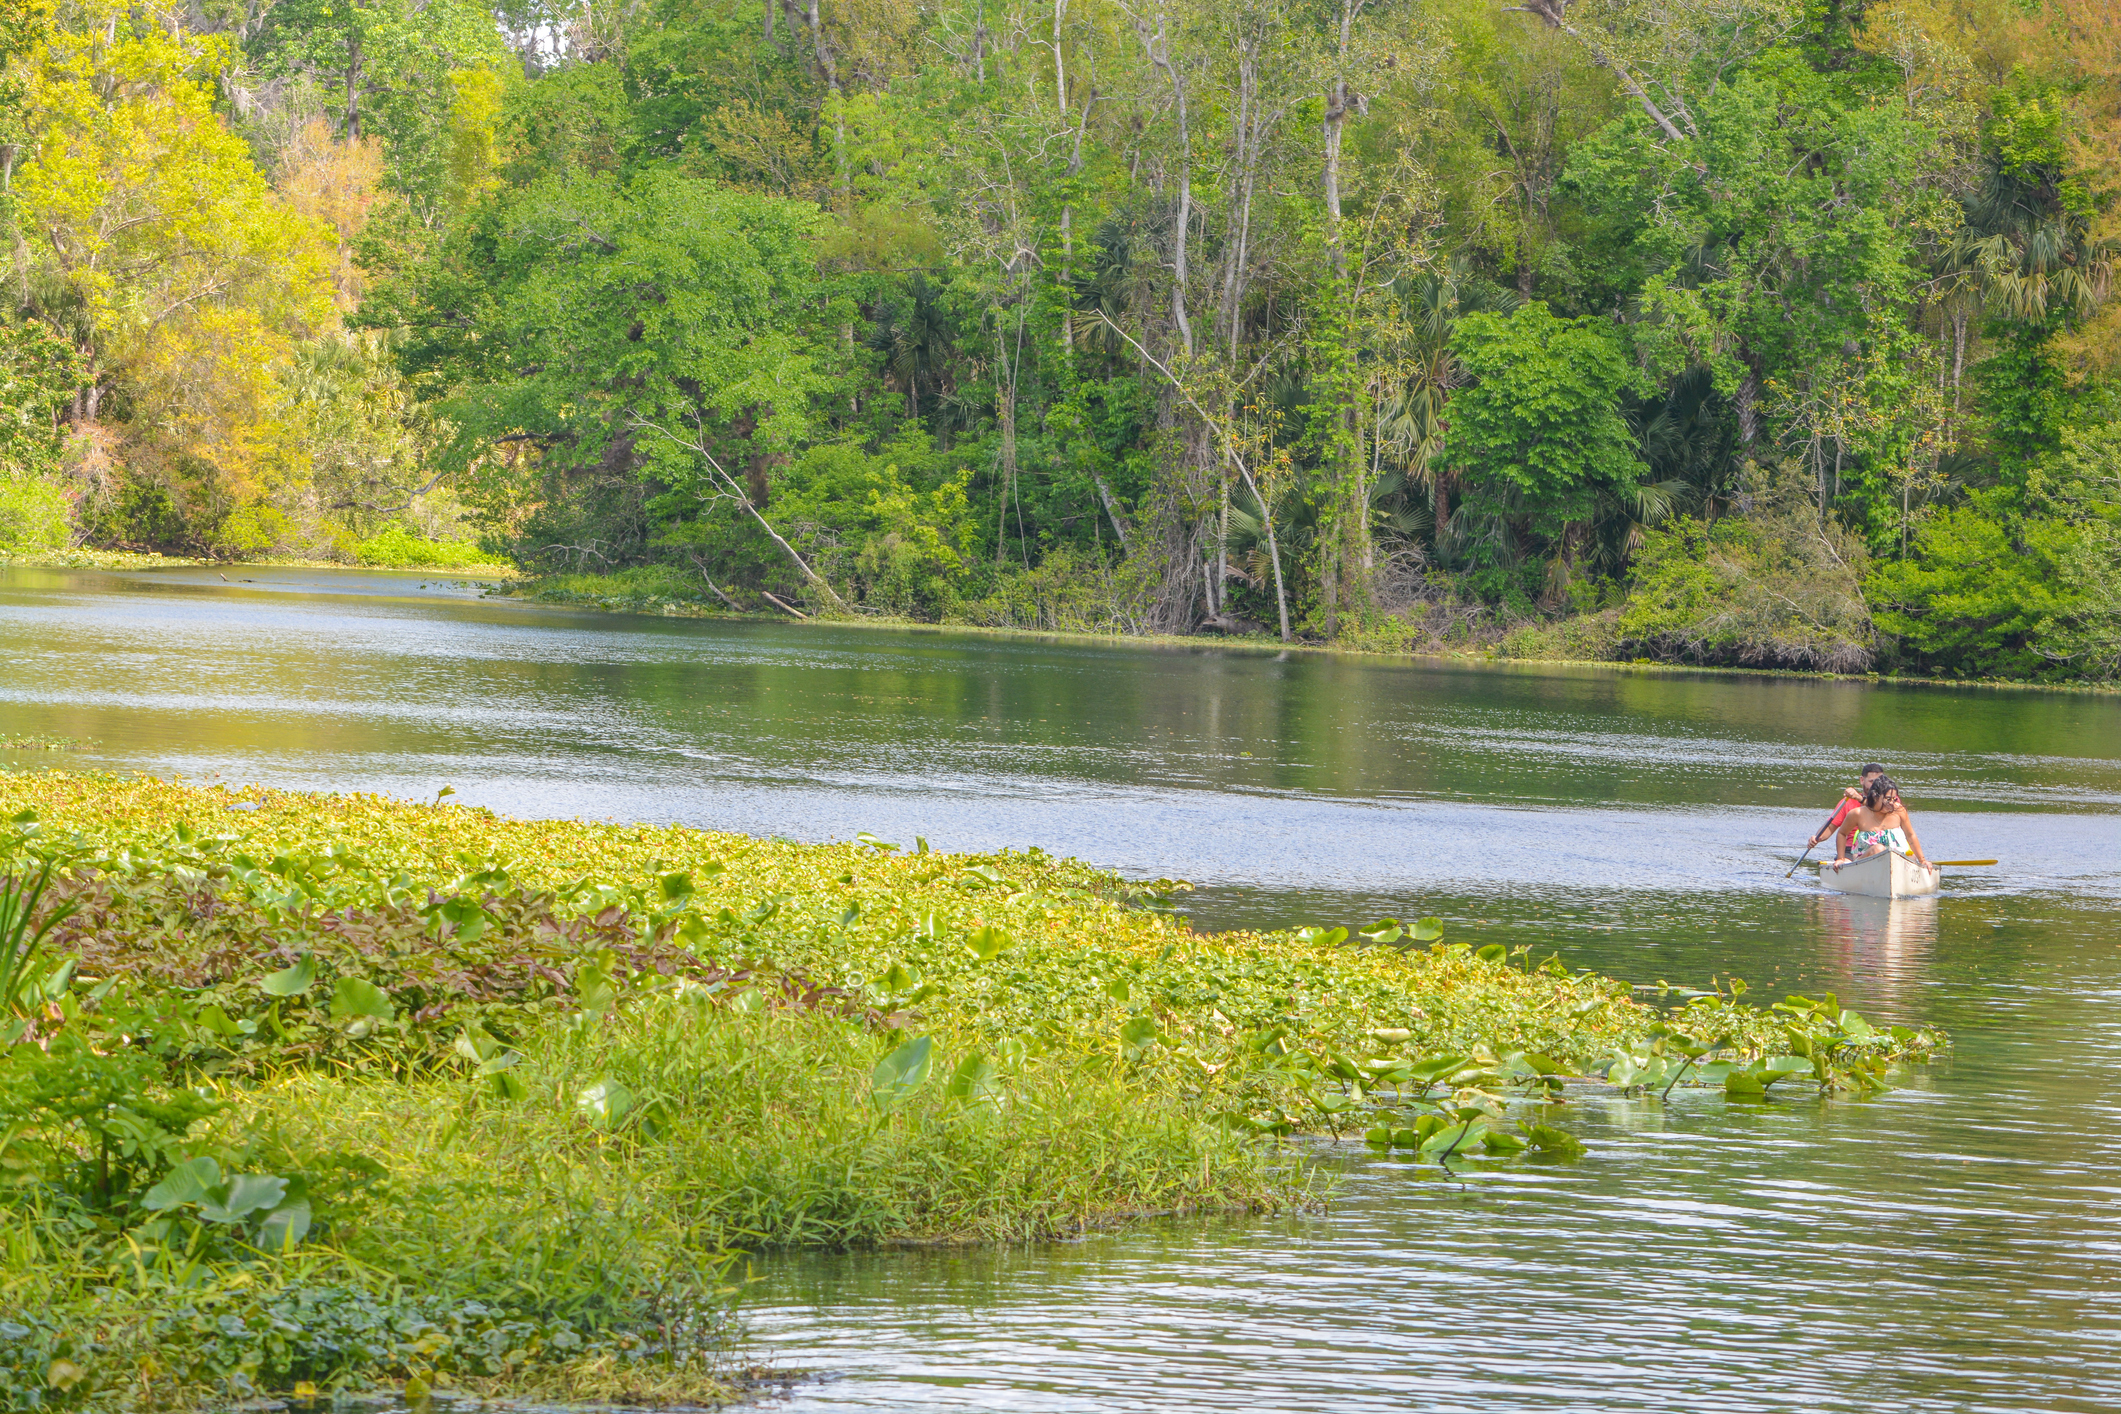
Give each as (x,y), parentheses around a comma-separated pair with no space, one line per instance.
(1538,432)
(34,515)
(655,312)
(1983,592)
(39,371)
(98,1126)
(1782,588)
(395,547)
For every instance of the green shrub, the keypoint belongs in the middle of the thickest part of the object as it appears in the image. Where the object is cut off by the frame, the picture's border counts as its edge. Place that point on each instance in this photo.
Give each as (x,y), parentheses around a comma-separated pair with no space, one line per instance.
(1779,589)
(254,532)
(34,515)
(395,547)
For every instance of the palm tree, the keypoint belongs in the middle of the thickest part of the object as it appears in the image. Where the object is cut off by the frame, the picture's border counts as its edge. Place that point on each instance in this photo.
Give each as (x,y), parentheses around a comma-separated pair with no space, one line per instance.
(915,341)
(1411,414)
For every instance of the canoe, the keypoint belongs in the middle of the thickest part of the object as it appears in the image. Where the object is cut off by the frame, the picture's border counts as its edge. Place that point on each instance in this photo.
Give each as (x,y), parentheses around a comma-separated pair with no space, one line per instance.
(1887,875)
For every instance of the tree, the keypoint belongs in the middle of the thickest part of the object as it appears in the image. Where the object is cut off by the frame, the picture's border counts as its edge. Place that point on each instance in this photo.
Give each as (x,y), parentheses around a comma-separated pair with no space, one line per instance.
(651,328)
(1537,435)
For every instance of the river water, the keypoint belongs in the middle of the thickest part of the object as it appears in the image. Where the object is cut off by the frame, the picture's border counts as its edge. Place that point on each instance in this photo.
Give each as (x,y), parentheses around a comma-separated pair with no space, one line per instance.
(1952,1245)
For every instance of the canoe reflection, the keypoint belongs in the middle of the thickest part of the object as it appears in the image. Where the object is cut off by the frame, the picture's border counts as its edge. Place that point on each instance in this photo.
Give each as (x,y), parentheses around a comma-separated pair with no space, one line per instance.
(1883,944)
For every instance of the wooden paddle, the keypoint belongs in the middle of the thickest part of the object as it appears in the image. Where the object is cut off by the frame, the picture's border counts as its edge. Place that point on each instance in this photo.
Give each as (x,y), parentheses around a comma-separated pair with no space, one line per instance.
(1822,831)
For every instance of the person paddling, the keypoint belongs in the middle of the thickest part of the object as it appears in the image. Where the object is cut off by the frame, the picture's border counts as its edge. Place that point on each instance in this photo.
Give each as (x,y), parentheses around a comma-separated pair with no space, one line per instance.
(1882,823)
(1851,801)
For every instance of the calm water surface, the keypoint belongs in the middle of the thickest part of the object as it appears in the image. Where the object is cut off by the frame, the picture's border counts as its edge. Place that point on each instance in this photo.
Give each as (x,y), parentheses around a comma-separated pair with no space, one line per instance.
(1951,1246)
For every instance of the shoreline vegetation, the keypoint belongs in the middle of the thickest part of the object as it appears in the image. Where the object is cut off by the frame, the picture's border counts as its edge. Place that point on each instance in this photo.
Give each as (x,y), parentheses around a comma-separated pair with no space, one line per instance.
(306,1092)
(585,592)
(1723,333)
(1497,647)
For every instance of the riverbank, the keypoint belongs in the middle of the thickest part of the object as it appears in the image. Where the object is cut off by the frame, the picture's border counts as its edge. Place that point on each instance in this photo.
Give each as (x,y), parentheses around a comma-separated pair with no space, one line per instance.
(332,1090)
(1531,645)
(82,558)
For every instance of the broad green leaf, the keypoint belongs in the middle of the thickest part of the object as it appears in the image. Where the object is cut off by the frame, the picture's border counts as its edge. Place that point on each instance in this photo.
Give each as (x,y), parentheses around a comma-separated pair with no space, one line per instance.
(242,1195)
(292,981)
(989,942)
(188,1182)
(1549,1140)
(285,1226)
(1496,1142)
(901,1072)
(1455,1138)
(605,1102)
(1139,1032)
(357,997)
(674,887)
(470,919)
(1427,930)
(973,1081)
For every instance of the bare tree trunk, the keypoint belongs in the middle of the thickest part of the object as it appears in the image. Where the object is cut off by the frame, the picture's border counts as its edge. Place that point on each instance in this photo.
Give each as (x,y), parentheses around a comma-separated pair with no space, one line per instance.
(1005,409)
(1158,49)
(1119,524)
(828,65)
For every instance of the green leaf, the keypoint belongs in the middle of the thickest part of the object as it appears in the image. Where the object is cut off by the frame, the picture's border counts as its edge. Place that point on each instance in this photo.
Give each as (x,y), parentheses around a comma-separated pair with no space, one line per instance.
(356,997)
(215,1020)
(1548,1139)
(188,1182)
(604,1103)
(1455,1137)
(988,942)
(1744,1085)
(507,1085)
(242,1195)
(1493,952)
(874,843)
(973,1082)
(470,919)
(1384,930)
(285,1226)
(1496,1142)
(674,887)
(1139,1033)
(1120,989)
(292,981)
(1427,930)
(901,1072)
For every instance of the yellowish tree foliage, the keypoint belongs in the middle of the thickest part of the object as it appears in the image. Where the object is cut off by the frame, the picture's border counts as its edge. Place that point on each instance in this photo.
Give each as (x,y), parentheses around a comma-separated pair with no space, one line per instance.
(153,235)
(335,182)
(2093,29)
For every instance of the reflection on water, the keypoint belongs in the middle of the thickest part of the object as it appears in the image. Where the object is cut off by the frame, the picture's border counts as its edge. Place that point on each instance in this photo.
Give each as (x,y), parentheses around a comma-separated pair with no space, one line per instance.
(1949,1246)
(1881,945)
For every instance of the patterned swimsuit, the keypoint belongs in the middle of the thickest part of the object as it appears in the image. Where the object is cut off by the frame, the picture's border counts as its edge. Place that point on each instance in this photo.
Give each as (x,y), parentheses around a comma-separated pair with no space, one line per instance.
(1868,841)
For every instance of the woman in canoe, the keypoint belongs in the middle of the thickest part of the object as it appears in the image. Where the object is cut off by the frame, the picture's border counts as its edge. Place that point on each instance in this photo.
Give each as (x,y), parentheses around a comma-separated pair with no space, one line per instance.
(1882,824)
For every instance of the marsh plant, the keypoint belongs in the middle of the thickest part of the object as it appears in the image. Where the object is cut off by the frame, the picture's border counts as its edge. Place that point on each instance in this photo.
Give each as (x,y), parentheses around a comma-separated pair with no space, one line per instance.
(308,1091)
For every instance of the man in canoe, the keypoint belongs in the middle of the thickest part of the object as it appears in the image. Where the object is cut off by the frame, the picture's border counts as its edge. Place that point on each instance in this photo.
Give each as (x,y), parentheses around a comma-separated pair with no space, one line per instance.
(1851,802)
(1882,824)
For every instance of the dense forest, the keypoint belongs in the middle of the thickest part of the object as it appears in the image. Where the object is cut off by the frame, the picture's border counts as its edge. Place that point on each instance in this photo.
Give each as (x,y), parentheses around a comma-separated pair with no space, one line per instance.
(1764,332)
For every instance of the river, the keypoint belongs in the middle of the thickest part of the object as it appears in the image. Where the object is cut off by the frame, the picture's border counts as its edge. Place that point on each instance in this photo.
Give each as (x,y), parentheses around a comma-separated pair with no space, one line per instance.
(1952,1245)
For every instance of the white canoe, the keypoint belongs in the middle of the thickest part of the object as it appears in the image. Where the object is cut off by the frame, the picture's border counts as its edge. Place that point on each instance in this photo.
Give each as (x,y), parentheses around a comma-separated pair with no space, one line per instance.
(1887,875)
